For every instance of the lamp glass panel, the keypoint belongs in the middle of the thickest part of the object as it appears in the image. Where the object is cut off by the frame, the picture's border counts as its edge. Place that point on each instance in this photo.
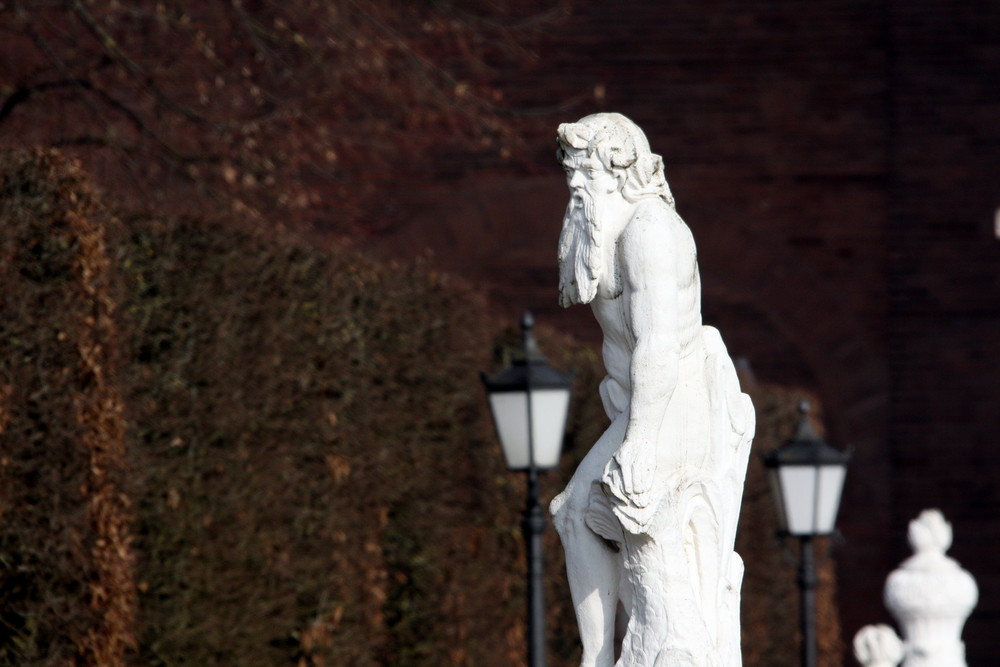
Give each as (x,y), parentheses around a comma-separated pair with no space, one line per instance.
(548,412)
(779,500)
(831,482)
(798,490)
(510,412)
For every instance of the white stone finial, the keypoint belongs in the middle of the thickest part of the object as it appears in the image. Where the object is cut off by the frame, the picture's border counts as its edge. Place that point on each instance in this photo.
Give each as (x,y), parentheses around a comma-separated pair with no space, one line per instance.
(878,646)
(648,520)
(931,596)
(929,534)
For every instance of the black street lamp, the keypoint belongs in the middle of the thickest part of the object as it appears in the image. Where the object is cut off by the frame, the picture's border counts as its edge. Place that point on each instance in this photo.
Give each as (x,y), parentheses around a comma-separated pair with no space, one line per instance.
(807,477)
(529,401)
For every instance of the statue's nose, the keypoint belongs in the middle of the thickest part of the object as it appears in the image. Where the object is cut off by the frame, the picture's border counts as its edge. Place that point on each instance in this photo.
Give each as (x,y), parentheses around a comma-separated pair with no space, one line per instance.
(576,180)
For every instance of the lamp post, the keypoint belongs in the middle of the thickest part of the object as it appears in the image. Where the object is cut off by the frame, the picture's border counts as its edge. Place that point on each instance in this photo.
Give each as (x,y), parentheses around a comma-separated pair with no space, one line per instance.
(807,477)
(529,401)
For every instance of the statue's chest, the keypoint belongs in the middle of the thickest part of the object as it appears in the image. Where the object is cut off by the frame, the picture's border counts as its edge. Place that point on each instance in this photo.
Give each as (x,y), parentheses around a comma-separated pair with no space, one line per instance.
(616,324)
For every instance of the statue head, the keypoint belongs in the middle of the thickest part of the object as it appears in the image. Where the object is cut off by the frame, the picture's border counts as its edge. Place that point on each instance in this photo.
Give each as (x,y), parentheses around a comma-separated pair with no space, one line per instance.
(608,162)
(621,148)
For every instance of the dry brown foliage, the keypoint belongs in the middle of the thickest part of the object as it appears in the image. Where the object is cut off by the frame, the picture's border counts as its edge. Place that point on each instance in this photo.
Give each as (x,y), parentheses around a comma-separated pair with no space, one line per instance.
(67,590)
(258,107)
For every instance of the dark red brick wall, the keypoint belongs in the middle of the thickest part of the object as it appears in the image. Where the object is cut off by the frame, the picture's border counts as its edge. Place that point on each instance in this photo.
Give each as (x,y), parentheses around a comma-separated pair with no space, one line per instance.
(944,306)
(839,164)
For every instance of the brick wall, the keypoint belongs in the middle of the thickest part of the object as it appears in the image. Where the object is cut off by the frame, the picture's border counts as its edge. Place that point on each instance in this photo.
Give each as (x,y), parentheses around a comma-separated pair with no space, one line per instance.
(839,164)
(944,278)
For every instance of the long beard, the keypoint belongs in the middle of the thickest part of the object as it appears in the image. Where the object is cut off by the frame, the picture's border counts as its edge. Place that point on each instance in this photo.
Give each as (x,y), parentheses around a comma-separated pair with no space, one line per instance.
(580,253)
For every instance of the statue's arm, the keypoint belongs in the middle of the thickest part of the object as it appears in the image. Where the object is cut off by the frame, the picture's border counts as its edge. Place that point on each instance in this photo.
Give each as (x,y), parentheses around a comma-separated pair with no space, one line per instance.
(649,263)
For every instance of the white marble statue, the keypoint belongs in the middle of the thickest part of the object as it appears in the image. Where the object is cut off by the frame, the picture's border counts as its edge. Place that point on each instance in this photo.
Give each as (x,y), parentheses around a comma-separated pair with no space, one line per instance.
(648,520)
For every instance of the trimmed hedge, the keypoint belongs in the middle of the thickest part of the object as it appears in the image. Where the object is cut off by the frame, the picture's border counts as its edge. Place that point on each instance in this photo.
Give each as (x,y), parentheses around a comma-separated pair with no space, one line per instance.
(309,438)
(66,593)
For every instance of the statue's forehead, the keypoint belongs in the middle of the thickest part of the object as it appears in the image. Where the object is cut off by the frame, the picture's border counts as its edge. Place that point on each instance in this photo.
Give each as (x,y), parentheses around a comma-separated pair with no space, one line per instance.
(574,158)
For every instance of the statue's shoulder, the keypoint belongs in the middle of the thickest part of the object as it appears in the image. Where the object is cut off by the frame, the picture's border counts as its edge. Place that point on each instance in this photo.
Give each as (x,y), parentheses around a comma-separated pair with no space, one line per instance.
(654,220)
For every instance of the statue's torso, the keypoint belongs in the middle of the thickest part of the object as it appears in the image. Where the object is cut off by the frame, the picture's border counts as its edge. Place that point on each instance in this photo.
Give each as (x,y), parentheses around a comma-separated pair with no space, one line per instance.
(613,313)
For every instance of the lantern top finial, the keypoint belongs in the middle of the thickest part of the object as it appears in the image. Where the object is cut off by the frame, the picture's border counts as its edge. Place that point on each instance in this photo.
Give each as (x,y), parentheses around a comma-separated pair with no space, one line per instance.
(530,345)
(529,369)
(805,447)
(804,432)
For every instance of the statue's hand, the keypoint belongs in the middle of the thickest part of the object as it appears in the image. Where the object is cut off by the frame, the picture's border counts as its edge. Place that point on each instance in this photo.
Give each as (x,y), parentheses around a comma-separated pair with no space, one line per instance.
(631,473)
